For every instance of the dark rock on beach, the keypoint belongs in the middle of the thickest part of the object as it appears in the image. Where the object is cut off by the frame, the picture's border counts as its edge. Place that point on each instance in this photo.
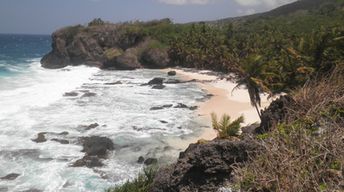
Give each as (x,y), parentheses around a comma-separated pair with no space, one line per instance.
(89,94)
(11,176)
(173,81)
(40,138)
(158,87)
(156,81)
(71,94)
(202,167)
(161,107)
(114,83)
(172,73)
(181,105)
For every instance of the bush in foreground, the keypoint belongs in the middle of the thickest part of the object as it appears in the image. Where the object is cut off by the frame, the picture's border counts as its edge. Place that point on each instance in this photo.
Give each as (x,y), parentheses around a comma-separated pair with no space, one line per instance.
(141,184)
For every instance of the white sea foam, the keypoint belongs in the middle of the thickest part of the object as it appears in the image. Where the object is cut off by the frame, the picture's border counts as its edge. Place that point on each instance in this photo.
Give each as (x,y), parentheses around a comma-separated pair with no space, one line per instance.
(33,102)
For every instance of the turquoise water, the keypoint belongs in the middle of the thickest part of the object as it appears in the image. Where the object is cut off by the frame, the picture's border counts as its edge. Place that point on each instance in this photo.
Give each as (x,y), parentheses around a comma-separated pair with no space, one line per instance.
(17,52)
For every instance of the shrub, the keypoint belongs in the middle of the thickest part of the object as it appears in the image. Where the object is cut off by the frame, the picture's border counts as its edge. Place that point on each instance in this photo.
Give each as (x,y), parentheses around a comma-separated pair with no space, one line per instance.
(225,127)
(141,184)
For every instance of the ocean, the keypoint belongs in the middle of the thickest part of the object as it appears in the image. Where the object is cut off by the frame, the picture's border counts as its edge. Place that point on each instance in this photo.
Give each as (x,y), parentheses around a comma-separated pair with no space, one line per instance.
(33,100)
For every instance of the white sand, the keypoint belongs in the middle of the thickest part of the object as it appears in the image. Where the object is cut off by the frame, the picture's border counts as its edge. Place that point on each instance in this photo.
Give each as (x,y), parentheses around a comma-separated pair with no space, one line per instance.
(234,103)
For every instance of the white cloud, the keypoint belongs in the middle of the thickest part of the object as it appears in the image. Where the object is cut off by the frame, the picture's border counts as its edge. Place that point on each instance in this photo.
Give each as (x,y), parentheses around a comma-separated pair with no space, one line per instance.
(185,2)
(269,3)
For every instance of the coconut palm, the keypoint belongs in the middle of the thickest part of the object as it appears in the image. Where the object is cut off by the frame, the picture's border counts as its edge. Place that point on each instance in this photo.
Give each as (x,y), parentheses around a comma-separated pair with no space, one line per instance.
(248,73)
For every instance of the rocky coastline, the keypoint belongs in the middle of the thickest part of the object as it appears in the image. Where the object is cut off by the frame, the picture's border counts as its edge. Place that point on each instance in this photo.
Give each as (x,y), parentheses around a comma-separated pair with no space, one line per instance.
(107,46)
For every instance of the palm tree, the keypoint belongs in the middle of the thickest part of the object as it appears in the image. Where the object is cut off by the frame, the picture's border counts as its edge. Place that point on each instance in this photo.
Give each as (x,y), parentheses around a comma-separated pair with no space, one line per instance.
(225,127)
(248,72)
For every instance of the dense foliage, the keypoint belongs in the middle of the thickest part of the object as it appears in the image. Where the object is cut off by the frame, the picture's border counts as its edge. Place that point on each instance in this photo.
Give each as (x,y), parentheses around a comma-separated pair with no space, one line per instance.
(301,53)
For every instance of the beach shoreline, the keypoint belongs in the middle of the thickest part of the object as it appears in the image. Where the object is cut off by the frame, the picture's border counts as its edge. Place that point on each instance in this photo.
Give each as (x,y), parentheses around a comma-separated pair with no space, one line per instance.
(222,100)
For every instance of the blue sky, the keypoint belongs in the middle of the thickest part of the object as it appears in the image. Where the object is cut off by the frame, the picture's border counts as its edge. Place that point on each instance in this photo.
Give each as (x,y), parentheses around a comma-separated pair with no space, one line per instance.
(45,16)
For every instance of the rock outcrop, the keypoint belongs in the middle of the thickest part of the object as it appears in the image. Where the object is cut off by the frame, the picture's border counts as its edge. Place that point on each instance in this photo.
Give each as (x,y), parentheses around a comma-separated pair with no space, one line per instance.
(95,148)
(202,167)
(105,45)
(275,113)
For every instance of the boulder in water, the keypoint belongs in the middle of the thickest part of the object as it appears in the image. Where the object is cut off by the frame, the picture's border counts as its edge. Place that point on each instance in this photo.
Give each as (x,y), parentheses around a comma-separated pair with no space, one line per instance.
(97,146)
(40,138)
(11,176)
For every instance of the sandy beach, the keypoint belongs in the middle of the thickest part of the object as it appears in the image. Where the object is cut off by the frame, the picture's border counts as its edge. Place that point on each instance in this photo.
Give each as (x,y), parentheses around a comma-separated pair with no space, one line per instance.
(223,100)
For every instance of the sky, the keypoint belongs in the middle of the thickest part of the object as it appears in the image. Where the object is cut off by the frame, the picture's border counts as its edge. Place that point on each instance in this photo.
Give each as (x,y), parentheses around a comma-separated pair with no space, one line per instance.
(46,16)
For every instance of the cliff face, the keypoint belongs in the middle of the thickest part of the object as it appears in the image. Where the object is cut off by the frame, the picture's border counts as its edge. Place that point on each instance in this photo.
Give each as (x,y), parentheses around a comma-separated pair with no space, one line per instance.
(111,46)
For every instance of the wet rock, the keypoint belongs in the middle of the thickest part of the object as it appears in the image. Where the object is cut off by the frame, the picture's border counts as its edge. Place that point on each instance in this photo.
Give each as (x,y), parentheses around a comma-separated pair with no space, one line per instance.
(97,146)
(88,161)
(114,83)
(40,138)
(158,87)
(160,107)
(181,105)
(71,94)
(140,160)
(203,167)
(92,126)
(11,176)
(32,190)
(156,81)
(173,81)
(89,94)
(63,133)
(150,161)
(172,73)
(62,141)
(192,108)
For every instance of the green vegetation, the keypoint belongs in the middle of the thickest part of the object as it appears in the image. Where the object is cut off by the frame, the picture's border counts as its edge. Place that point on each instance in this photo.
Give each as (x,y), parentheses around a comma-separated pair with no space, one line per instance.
(299,53)
(225,127)
(306,152)
(140,184)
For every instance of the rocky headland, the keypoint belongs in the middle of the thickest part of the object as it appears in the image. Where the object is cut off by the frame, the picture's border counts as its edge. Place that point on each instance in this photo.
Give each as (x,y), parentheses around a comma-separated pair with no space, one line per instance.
(106,45)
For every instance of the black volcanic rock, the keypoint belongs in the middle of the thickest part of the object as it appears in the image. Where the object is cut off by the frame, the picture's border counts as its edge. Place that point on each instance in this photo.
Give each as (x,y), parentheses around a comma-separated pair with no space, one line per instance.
(158,87)
(88,161)
(202,167)
(97,146)
(70,94)
(172,73)
(160,107)
(150,161)
(11,176)
(40,138)
(156,81)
